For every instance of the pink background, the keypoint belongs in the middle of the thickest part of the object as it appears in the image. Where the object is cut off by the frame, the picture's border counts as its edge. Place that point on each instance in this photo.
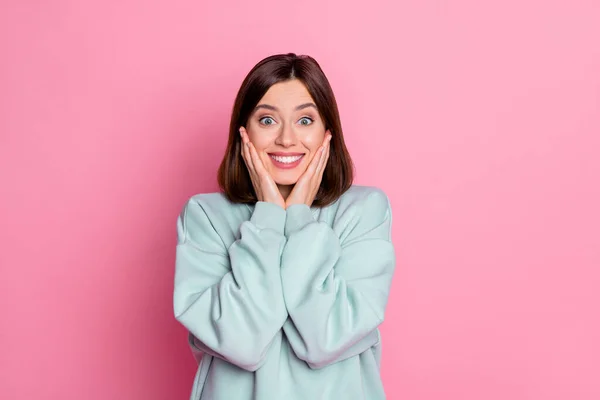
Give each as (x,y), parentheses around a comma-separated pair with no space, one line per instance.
(481,120)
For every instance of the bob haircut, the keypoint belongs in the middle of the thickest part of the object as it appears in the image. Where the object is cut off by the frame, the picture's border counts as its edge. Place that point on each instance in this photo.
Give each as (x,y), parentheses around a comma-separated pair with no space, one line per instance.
(234,177)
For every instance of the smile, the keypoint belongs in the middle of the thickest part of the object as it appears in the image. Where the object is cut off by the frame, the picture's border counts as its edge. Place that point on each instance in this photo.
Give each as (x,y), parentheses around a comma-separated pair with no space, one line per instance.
(286,162)
(286,159)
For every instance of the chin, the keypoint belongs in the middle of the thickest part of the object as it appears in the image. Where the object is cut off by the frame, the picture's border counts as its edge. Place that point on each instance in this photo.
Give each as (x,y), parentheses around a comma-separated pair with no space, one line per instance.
(285,180)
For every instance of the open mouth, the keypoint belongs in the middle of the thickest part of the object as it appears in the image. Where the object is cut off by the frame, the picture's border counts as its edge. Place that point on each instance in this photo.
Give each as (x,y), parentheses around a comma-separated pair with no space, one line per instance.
(287,161)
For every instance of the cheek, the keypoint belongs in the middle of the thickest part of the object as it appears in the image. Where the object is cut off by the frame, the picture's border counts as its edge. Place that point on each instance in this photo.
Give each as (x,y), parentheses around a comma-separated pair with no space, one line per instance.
(313,140)
(259,141)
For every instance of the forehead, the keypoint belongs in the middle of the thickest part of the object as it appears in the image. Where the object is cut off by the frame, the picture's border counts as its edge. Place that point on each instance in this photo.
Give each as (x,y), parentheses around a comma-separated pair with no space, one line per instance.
(287,95)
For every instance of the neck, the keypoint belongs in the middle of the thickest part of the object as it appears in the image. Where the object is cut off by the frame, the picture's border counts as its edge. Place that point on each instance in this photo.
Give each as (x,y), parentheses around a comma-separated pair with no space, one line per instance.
(285,190)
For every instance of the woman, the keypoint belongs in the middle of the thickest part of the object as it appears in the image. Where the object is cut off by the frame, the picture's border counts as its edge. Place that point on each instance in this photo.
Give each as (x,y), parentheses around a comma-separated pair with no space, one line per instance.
(282,278)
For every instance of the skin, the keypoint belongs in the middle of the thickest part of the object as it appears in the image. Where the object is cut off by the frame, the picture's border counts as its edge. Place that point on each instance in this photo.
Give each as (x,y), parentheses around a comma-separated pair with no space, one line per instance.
(286,120)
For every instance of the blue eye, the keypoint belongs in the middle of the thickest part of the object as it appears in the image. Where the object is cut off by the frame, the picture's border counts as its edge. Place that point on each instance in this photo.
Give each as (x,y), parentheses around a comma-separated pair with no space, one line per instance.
(305,121)
(267,121)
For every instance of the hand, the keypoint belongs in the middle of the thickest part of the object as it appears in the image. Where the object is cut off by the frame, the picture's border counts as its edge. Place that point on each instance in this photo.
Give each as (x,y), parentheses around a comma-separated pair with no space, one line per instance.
(265,187)
(306,188)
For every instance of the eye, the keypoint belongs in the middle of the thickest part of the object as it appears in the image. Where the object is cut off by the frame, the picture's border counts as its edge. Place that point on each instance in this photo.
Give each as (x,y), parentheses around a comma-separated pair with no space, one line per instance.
(266,121)
(305,121)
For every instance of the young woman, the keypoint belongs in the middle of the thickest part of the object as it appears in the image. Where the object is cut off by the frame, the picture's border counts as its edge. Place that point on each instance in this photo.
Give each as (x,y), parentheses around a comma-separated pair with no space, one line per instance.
(282,279)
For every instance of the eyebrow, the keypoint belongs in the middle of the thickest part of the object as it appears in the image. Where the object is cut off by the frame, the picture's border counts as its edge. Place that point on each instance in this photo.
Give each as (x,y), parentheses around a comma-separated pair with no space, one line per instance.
(273,108)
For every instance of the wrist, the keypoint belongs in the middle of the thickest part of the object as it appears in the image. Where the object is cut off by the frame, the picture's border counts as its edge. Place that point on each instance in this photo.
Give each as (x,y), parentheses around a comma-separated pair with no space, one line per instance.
(297,217)
(267,215)
(292,202)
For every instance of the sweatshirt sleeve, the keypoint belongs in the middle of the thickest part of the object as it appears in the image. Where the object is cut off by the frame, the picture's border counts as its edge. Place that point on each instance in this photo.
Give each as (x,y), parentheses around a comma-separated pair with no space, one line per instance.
(336,283)
(230,300)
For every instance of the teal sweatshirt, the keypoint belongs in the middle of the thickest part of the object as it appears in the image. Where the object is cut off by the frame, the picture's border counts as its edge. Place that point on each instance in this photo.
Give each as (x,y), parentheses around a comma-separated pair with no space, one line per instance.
(285,304)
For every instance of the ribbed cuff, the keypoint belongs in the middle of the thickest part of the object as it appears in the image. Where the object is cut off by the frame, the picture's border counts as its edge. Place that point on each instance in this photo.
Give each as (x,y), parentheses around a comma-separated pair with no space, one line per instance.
(298,216)
(268,216)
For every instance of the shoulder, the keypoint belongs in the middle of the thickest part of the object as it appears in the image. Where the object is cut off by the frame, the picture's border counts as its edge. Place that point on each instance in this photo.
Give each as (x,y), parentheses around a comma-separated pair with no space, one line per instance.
(361,210)
(207,214)
(204,204)
(365,200)
(210,202)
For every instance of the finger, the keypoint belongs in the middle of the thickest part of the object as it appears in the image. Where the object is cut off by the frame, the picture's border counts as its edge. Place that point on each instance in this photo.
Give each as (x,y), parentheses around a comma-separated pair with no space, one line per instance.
(321,162)
(244,136)
(314,163)
(326,138)
(242,144)
(246,153)
(325,157)
(256,161)
(244,147)
(322,151)
(318,176)
(251,163)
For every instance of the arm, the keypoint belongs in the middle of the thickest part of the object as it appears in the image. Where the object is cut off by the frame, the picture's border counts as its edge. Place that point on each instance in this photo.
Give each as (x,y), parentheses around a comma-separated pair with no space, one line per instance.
(230,301)
(336,289)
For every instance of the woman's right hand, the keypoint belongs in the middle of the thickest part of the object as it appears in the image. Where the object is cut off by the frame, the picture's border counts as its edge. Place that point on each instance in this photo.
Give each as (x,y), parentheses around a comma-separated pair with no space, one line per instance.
(265,187)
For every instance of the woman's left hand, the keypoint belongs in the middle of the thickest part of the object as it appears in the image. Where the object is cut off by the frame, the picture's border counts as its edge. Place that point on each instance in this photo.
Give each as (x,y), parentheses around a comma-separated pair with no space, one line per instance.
(306,188)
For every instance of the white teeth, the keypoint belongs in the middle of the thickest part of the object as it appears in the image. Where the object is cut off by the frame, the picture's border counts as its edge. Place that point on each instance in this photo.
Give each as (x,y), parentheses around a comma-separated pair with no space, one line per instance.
(286,159)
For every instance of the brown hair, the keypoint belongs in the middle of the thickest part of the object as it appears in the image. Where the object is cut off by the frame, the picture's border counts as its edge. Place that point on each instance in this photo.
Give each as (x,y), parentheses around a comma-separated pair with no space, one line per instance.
(234,178)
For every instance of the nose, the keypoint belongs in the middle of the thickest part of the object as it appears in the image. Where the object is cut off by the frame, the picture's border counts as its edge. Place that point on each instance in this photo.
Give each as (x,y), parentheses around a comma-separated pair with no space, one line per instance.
(286,137)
